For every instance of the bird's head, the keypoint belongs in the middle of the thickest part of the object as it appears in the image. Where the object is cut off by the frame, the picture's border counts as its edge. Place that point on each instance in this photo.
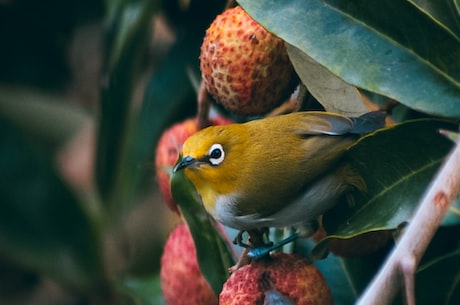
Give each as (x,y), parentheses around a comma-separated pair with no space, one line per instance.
(211,159)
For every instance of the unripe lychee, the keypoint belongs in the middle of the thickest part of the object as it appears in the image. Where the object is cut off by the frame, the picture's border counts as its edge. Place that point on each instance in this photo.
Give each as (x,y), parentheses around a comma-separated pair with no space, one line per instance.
(283,276)
(182,282)
(168,149)
(243,66)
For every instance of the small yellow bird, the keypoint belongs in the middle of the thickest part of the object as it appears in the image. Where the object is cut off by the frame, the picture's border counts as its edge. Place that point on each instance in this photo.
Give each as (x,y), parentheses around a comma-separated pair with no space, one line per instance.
(278,171)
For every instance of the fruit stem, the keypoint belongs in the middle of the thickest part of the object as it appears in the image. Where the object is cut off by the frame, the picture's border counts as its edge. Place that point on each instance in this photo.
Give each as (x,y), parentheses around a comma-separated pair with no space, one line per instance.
(204,105)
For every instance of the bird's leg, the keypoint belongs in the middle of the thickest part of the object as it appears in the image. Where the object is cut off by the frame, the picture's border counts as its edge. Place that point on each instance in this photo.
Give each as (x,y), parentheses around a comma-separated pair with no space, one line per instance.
(257,248)
(306,230)
(259,252)
(256,238)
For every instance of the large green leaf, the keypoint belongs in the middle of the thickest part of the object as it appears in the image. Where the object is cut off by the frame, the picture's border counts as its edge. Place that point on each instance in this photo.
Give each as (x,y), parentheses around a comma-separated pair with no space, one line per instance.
(443,12)
(213,251)
(127,41)
(42,226)
(168,97)
(387,47)
(397,164)
(335,94)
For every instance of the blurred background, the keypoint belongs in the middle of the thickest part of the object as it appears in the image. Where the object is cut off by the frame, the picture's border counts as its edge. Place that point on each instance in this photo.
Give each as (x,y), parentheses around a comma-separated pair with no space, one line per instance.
(86,87)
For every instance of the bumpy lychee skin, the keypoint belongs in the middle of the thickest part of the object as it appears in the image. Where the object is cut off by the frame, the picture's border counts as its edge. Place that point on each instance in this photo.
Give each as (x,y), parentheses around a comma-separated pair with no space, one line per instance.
(167,152)
(245,67)
(286,276)
(181,280)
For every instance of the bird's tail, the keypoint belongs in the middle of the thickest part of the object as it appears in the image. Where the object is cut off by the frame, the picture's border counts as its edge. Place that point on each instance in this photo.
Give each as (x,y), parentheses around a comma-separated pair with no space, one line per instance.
(368,122)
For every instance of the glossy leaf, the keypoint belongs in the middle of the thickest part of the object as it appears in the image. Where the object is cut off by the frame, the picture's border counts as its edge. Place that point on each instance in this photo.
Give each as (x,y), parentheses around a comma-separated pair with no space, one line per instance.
(442,12)
(338,279)
(42,226)
(213,251)
(397,164)
(127,37)
(168,97)
(335,94)
(386,47)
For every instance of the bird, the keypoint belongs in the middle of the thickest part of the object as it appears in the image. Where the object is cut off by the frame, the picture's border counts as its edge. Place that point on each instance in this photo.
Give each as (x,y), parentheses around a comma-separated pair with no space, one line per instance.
(279,171)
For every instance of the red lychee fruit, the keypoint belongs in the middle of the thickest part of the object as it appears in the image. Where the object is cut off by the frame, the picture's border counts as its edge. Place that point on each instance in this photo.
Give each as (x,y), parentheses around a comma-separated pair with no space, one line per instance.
(167,153)
(286,277)
(182,282)
(245,67)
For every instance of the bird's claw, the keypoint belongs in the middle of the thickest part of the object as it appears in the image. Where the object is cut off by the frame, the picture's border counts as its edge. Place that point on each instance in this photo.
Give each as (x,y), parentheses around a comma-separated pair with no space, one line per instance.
(255,248)
(258,252)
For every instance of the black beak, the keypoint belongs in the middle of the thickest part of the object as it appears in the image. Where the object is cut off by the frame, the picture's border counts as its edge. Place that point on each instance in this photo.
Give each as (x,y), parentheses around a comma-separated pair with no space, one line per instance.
(184,162)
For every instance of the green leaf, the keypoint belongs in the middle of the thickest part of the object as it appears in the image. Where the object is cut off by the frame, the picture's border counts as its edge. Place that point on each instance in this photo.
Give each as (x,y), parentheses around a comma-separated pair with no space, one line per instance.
(339,280)
(42,226)
(397,164)
(213,251)
(437,282)
(335,94)
(39,114)
(145,291)
(386,47)
(128,36)
(442,12)
(452,217)
(168,97)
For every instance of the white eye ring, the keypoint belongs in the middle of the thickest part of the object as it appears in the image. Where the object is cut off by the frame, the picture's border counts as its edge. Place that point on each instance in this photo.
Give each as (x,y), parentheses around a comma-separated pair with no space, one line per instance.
(216,154)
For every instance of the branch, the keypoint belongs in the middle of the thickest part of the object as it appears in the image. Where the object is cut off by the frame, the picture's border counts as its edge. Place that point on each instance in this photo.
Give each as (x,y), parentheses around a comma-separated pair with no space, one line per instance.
(401,265)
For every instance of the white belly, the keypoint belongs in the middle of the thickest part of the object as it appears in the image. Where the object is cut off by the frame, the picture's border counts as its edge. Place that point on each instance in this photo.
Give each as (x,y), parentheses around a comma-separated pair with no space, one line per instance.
(317,199)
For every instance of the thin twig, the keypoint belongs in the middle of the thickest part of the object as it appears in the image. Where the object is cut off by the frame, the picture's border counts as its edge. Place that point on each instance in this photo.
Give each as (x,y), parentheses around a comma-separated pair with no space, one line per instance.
(401,264)
(204,104)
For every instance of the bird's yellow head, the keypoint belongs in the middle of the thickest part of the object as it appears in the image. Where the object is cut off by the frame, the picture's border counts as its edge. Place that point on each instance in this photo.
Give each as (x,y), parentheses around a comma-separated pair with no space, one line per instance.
(210,160)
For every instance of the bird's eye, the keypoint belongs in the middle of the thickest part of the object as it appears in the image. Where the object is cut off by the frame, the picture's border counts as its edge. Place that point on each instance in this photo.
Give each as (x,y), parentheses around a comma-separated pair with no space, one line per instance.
(216,154)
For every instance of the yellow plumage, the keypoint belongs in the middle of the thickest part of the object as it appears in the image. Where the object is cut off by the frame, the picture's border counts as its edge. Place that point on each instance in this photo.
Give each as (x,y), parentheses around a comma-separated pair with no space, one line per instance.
(278,171)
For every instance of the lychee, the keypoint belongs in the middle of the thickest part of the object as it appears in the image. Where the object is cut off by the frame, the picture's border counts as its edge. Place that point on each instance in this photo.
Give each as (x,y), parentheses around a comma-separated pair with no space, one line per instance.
(182,282)
(245,67)
(285,278)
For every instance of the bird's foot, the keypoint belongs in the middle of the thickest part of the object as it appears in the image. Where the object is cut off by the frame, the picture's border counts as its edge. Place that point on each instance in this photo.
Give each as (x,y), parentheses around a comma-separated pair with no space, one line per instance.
(258,252)
(256,247)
